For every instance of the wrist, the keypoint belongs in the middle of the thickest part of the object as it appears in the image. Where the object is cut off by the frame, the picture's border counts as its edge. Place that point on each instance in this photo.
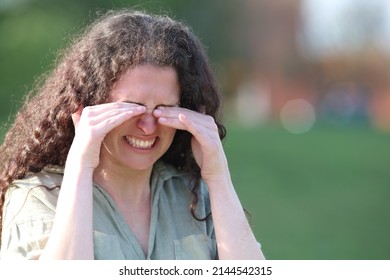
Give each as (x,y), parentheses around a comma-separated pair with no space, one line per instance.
(221,185)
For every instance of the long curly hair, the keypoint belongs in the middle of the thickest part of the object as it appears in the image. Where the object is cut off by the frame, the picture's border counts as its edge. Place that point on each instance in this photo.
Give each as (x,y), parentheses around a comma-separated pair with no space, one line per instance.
(85,73)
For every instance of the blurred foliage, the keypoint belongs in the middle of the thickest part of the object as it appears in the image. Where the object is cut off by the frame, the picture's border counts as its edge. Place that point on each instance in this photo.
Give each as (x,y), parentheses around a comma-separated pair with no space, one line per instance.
(33,31)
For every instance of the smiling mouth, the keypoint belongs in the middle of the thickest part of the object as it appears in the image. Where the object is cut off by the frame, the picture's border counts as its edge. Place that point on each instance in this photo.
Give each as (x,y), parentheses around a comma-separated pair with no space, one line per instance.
(140,144)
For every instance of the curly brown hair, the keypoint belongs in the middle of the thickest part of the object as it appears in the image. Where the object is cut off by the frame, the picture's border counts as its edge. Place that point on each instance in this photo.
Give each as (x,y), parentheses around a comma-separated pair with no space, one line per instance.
(43,130)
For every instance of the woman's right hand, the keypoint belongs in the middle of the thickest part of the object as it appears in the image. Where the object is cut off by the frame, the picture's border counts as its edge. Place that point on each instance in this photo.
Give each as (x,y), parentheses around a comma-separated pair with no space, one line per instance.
(92,123)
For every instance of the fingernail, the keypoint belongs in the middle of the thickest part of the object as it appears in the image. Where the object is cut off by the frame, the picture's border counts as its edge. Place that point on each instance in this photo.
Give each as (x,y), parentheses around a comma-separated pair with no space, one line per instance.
(157,111)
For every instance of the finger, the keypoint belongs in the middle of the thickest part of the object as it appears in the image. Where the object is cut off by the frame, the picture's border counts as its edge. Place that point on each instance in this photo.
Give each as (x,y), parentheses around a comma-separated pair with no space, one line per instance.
(172,112)
(99,112)
(171,117)
(101,108)
(203,129)
(173,122)
(99,130)
(206,144)
(91,118)
(111,122)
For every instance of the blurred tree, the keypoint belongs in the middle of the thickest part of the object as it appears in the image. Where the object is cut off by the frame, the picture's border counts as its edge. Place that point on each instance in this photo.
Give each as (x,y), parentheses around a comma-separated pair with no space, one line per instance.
(32,32)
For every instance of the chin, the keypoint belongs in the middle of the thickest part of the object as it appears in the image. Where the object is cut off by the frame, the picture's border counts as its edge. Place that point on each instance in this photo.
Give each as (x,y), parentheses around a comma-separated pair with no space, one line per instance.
(140,165)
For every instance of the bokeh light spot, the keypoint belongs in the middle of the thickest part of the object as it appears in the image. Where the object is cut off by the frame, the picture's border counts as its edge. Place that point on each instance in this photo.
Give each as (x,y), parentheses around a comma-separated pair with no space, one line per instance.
(297,116)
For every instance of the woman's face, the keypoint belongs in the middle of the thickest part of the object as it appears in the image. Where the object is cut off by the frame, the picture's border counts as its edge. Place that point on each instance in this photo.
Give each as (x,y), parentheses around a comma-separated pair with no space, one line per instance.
(139,142)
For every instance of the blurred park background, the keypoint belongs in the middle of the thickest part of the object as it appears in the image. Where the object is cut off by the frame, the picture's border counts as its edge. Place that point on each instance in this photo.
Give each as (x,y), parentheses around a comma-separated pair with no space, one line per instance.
(306,100)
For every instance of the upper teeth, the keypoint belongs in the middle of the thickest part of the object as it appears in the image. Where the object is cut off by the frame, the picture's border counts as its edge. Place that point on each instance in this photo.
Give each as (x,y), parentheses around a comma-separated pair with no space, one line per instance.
(138,143)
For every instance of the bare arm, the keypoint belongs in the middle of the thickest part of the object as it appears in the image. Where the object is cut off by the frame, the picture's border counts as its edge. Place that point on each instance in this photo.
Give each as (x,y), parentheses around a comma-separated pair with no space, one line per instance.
(235,239)
(71,236)
(72,233)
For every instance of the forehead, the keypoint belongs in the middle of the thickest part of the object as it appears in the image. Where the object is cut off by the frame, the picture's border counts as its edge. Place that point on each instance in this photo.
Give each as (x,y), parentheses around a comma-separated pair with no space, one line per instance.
(147,84)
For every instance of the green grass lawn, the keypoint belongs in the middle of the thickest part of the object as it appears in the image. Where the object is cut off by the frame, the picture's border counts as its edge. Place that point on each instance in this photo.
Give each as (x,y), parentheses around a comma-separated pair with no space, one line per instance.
(321,195)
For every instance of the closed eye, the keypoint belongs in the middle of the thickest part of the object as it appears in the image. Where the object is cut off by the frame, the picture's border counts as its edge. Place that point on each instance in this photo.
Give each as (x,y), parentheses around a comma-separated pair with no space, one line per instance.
(160,105)
(170,106)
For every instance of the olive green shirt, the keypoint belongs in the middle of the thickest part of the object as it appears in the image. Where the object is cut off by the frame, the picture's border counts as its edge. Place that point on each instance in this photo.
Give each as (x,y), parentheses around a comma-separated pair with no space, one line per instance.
(29,211)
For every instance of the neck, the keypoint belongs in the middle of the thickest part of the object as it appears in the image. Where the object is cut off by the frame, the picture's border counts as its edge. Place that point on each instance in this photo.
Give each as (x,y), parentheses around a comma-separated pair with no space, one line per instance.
(124,185)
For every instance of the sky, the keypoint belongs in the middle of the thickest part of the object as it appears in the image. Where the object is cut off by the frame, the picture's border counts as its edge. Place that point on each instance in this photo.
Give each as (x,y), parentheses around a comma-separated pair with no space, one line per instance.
(344,25)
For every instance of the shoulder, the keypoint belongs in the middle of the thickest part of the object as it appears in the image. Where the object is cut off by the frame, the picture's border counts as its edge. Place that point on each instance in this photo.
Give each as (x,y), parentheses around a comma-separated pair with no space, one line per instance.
(50,177)
(33,195)
(28,214)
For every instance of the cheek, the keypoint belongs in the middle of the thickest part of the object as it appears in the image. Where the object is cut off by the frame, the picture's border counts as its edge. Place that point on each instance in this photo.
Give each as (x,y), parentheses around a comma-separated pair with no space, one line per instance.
(113,135)
(169,134)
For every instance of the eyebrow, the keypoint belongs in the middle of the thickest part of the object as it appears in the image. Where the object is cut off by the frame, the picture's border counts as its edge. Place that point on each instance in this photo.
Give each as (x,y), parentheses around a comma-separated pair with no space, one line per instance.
(142,104)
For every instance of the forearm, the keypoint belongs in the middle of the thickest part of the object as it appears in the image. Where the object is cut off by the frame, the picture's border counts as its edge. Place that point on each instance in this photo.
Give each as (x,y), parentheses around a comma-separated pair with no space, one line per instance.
(72,233)
(234,235)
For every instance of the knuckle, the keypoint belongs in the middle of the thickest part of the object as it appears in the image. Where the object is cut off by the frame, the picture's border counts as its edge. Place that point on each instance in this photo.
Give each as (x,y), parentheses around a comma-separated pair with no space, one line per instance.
(87,111)
(88,121)
(109,121)
(210,119)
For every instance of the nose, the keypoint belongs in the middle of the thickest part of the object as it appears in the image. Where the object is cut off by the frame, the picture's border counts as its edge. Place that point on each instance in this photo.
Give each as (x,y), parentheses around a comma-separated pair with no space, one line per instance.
(147,122)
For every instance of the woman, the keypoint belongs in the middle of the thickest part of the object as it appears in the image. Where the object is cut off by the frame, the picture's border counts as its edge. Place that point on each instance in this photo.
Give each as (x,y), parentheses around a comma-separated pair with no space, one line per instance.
(119,156)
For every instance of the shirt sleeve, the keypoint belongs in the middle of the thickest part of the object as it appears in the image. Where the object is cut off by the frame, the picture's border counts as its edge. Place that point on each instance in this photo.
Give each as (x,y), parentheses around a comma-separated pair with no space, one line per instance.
(25,240)
(27,222)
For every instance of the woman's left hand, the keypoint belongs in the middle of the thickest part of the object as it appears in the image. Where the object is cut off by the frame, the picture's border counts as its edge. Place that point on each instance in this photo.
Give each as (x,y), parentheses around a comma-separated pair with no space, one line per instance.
(206,144)
(232,230)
